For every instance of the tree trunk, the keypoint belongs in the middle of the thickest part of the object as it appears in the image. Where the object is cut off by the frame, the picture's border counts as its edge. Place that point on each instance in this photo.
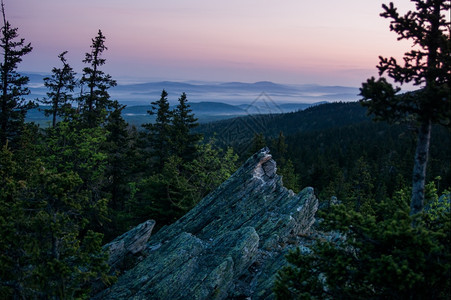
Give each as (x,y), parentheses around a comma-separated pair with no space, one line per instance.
(4,97)
(419,168)
(55,106)
(4,118)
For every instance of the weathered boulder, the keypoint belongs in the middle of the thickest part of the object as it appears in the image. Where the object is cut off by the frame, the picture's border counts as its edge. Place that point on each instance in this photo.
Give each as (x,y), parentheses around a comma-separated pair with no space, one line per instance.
(229,246)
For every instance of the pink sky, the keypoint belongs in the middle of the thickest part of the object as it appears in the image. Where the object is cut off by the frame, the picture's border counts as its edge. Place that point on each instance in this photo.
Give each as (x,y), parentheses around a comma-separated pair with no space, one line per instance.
(291,41)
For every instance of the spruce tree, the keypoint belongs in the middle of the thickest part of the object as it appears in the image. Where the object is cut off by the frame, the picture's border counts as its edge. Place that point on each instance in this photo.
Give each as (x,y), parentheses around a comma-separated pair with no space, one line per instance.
(183,140)
(280,148)
(165,196)
(285,167)
(117,148)
(96,100)
(428,66)
(61,84)
(257,143)
(291,180)
(13,106)
(159,132)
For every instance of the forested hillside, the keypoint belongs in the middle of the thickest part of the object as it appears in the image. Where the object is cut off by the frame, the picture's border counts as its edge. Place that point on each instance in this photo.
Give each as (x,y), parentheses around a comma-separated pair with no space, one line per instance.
(336,148)
(318,117)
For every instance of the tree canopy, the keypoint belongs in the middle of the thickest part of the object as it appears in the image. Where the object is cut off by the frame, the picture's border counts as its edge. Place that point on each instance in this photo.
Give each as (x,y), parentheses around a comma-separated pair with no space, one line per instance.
(13,106)
(61,85)
(96,100)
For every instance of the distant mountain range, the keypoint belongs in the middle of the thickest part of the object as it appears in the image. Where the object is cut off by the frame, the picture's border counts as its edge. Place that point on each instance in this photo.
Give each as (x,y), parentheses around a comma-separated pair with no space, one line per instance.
(235,93)
(204,111)
(211,101)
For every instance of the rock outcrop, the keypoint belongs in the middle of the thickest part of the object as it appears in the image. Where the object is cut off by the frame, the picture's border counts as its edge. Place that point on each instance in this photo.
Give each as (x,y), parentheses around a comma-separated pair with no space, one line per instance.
(229,246)
(128,245)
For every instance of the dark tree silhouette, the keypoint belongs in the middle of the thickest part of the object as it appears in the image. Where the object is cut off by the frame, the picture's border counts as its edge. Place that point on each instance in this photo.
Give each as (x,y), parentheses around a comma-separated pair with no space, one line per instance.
(96,100)
(61,84)
(183,140)
(13,106)
(427,65)
(160,131)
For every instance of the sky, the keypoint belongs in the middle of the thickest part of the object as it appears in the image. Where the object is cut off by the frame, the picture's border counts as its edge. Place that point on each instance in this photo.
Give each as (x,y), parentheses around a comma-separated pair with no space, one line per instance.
(325,42)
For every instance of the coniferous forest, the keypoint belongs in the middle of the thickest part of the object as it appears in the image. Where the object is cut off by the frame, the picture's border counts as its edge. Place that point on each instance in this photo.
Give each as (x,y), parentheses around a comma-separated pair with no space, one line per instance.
(71,187)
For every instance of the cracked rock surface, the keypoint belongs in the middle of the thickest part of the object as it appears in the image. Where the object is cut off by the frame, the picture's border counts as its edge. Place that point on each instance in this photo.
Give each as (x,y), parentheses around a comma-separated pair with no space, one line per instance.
(230,246)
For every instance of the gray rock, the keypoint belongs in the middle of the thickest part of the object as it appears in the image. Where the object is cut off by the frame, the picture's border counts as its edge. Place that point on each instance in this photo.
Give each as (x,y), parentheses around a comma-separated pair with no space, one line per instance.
(128,244)
(229,246)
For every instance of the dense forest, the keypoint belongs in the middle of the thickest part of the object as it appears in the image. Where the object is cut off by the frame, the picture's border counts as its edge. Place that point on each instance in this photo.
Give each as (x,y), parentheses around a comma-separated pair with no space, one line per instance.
(68,189)
(330,147)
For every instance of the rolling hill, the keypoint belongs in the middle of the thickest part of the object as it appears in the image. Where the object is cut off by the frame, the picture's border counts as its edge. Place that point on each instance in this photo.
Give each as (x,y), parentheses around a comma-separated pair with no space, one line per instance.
(234,93)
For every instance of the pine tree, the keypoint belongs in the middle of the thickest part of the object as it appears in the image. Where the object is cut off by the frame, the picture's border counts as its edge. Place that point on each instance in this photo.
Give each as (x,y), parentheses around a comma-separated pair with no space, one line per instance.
(13,106)
(291,180)
(183,121)
(427,65)
(96,101)
(61,84)
(159,133)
